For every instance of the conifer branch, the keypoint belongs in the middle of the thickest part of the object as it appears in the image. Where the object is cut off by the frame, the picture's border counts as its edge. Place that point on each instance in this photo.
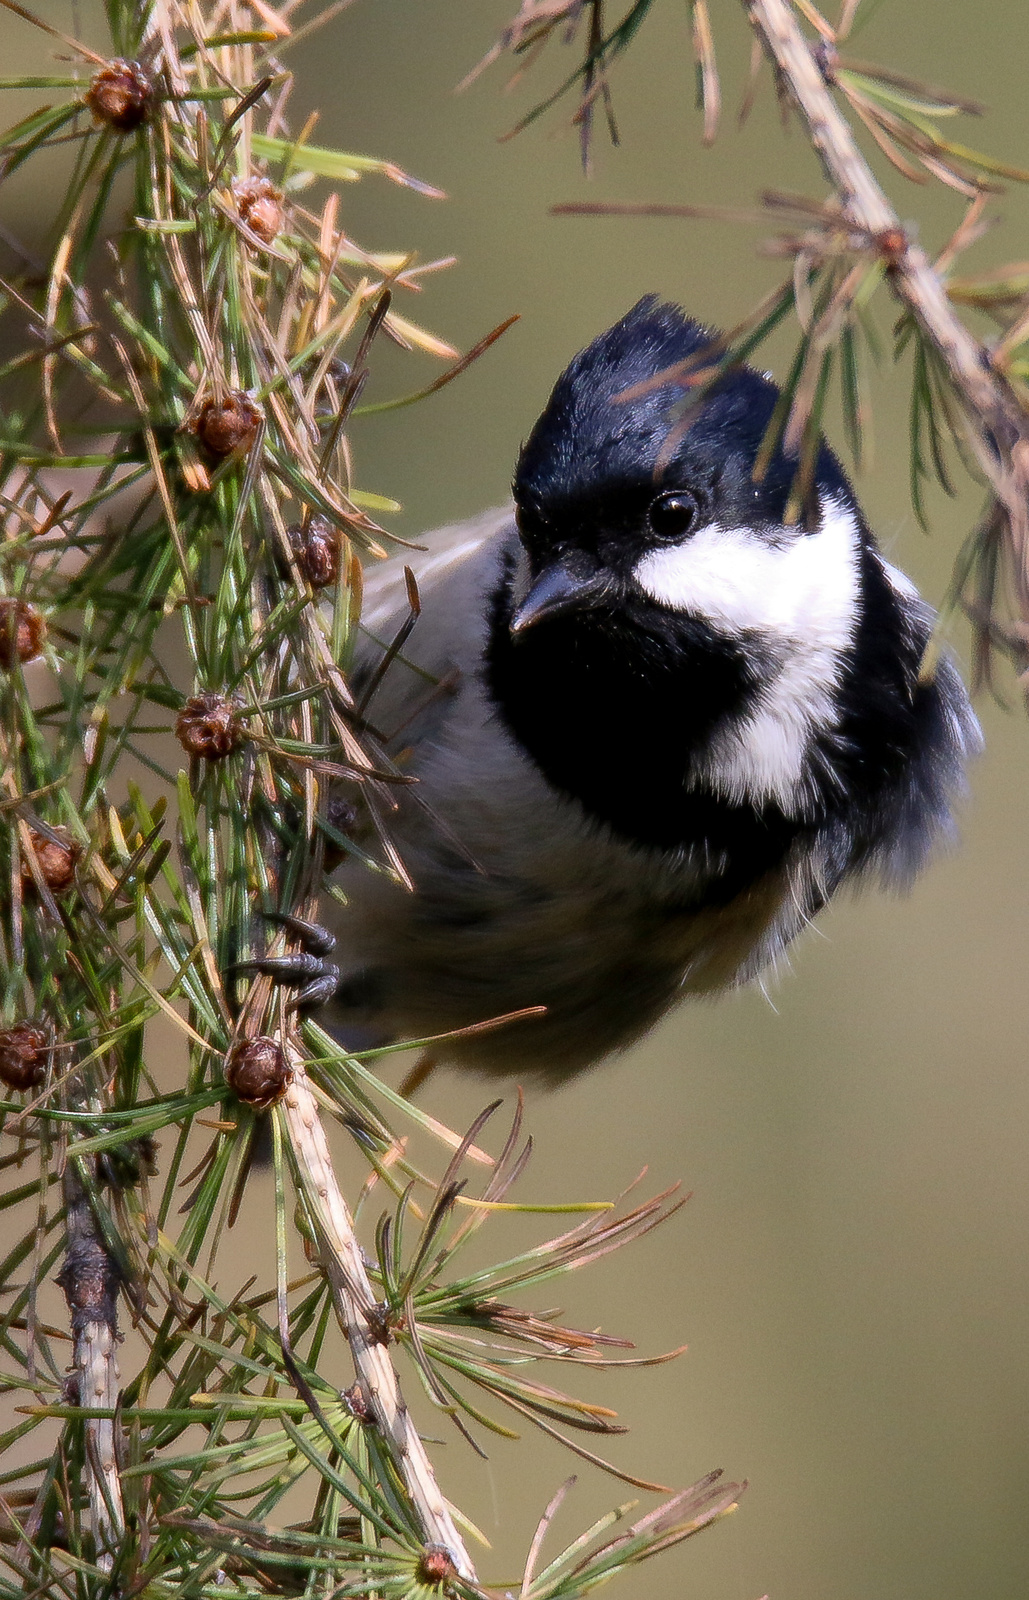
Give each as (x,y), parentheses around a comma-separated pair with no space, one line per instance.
(1002,422)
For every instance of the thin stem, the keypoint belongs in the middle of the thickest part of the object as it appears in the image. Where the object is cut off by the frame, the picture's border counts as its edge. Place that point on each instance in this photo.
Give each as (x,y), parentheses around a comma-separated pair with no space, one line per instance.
(355,1307)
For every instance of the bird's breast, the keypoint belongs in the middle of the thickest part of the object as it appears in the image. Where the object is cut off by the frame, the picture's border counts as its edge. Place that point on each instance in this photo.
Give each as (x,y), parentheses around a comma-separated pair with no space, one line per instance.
(617,708)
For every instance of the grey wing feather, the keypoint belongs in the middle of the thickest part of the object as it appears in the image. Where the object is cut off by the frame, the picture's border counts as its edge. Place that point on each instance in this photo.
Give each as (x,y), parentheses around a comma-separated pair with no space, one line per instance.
(949,737)
(918,811)
(446,642)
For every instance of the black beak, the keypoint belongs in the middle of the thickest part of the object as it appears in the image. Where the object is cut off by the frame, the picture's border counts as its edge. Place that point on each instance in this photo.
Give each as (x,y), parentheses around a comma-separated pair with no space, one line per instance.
(556,591)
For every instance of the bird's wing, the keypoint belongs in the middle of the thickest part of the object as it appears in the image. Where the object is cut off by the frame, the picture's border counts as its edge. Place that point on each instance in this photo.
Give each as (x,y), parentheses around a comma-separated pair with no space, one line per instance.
(454,575)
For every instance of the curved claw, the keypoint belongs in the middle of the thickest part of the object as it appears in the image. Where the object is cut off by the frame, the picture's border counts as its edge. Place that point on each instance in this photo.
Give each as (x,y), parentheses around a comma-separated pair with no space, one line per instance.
(314,938)
(320,979)
(319,992)
(306,969)
(286,969)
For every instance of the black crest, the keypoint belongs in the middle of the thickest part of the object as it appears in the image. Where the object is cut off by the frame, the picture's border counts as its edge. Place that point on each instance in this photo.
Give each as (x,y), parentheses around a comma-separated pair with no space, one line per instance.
(596,430)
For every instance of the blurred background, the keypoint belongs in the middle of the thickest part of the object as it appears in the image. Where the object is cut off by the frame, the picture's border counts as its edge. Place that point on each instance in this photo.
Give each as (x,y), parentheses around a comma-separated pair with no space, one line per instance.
(852,1270)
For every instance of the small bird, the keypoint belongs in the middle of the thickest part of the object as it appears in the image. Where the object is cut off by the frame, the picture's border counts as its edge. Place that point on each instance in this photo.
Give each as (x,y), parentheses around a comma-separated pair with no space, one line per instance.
(655,726)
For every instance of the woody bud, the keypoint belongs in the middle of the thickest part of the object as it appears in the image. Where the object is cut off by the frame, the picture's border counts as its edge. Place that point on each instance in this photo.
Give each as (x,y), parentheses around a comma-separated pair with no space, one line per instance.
(228,425)
(23,1051)
(22,631)
(55,860)
(317,547)
(259,204)
(257,1071)
(208,726)
(436,1565)
(120,95)
(892,244)
(356,1403)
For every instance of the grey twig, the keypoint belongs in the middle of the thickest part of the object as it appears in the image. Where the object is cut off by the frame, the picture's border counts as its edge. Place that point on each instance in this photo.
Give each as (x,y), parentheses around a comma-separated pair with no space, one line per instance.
(90,1280)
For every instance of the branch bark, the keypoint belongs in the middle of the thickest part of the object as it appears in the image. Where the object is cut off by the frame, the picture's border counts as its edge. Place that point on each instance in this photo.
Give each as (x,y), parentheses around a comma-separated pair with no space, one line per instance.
(90,1280)
(1003,423)
(355,1307)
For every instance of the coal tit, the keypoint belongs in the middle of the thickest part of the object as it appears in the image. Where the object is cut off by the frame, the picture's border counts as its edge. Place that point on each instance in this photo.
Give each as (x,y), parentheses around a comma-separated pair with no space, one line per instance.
(654,724)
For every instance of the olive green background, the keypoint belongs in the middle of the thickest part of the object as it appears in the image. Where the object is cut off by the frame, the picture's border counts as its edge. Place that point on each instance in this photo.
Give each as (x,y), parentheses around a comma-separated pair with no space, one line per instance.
(851,1272)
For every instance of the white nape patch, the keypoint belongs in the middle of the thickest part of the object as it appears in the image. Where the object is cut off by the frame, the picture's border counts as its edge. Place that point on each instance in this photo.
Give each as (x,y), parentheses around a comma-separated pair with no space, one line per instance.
(800,597)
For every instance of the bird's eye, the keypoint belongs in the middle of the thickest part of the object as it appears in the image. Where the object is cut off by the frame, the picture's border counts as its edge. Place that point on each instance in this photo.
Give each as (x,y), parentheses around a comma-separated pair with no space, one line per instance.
(673,515)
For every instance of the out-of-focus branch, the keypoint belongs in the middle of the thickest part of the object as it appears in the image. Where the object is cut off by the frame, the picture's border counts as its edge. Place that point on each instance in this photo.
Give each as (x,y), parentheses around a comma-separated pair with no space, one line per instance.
(356,1308)
(90,1281)
(1003,424)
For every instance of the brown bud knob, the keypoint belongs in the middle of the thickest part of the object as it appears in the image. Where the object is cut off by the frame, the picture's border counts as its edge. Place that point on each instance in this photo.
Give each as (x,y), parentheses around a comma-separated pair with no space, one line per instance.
(827,60)
(22,631)
(317,547)
(436,1565)
(257,1071)
(892,244)
(208,726)
(259,204)
(383,1322)
(120,95)
(23,1051)
(356,1403)
(55,859)
(228,425)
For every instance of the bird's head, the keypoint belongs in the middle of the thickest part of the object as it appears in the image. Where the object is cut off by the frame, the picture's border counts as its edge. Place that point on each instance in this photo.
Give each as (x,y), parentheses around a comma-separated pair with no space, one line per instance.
(626,496)
(696,668)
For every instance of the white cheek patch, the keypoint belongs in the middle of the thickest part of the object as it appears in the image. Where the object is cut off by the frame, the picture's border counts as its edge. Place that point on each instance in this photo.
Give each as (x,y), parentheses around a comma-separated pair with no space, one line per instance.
(801,598)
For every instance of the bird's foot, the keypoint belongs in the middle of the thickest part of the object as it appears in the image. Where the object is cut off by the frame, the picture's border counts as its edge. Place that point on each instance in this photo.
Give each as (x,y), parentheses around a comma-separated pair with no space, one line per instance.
(315,978)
